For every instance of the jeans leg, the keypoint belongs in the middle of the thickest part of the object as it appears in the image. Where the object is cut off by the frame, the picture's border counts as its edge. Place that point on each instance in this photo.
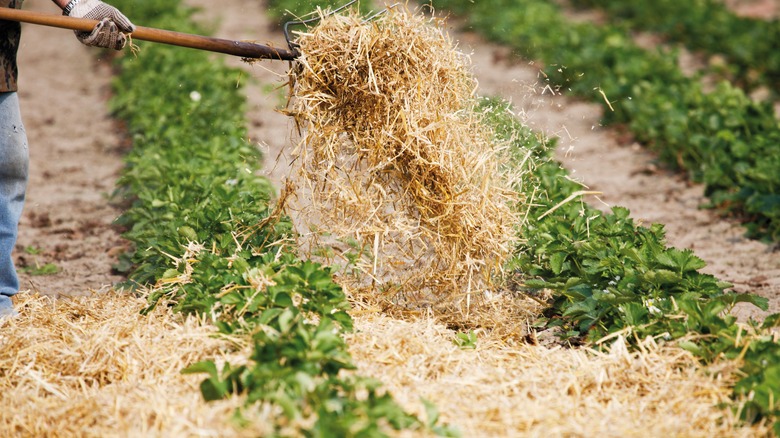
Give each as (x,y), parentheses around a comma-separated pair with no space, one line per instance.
(14,162)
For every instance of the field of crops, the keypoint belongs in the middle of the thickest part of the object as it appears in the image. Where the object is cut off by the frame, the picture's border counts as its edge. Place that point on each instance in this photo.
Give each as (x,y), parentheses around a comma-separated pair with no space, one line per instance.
(584,321)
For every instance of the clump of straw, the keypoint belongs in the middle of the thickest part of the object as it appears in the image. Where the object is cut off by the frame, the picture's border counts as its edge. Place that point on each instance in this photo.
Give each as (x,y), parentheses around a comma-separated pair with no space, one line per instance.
(524,390)
(95,367)
(394,159)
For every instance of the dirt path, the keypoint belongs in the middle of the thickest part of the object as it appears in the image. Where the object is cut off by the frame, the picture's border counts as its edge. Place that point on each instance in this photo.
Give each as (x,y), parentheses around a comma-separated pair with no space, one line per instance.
(765,9)
(74,163)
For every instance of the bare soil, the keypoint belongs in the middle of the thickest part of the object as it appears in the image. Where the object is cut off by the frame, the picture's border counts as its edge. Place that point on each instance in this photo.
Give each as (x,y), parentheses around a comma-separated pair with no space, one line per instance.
(764,9)
(75,159)
(76,155)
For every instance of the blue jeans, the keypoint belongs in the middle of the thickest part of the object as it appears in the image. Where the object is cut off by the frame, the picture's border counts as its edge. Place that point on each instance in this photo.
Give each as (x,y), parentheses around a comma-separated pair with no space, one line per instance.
(14,162)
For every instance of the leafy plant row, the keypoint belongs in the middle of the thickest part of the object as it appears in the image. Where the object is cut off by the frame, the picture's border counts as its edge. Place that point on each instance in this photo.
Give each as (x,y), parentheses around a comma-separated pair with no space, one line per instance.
(748,45)
(207,238)
(610,275)
(721,138)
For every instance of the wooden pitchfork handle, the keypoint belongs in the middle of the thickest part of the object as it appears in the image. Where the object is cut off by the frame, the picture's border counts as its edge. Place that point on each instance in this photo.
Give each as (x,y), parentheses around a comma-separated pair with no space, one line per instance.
(230,47)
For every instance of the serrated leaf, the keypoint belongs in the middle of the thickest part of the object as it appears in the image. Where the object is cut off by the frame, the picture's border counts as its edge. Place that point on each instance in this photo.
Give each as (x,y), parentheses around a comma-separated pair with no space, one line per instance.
(661,277)
(170,273)
(680,260)
(578,309)
(731,299)
(635,314)
(771,321)
(536,284)
(233,298)
(556,262)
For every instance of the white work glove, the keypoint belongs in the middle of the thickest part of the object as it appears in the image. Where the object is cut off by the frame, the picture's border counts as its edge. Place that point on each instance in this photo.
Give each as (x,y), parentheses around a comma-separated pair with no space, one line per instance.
(110,33)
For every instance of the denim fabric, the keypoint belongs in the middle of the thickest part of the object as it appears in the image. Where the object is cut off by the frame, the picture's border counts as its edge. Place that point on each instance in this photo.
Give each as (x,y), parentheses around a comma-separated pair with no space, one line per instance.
(7,307)
(14,161)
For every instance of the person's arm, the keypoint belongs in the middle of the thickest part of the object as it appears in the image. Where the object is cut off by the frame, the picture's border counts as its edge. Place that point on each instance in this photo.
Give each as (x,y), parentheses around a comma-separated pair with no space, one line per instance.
(112,29)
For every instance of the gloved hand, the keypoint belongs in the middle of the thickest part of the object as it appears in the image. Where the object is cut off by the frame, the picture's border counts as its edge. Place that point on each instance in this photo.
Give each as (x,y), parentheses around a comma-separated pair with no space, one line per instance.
(110,32)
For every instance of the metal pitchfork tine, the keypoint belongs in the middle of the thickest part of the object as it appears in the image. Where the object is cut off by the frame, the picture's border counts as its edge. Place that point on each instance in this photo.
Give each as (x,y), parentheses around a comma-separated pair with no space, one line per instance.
(294,46)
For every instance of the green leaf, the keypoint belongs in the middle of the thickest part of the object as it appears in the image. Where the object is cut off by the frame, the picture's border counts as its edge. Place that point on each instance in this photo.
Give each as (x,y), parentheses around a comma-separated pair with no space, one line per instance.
(661,277)
(213,389)
(170,273)
(635,314)
(731,299)
(431,413)
(691,347)
(41,270)
(207,367)
(283,299)
(269,315)
(536,283)
(233,298)
(286,320)
(771,321)
(188,233)
(466,341)
(556,262)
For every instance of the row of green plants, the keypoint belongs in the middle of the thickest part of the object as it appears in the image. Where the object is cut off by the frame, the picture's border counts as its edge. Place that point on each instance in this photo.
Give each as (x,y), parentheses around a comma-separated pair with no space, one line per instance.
(748,45)
(207,238)
(611,276)
(721,138)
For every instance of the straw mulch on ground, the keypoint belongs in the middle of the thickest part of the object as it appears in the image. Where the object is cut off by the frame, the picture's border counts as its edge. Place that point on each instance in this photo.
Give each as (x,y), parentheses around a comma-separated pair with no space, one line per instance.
(394,161)
(94,366)
(500,390)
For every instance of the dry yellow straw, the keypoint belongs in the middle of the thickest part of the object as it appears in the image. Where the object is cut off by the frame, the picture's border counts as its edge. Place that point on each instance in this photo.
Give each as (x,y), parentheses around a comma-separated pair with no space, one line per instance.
(95,367)
(498,390)
(394,160)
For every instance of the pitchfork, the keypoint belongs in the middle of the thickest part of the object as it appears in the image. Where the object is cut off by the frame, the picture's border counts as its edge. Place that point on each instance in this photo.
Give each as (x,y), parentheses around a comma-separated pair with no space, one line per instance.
(230,47)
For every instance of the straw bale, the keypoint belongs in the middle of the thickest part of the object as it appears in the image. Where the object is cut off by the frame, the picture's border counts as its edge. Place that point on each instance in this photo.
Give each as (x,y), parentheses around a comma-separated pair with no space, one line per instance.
(394,161)
(93,366)
(501,390)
